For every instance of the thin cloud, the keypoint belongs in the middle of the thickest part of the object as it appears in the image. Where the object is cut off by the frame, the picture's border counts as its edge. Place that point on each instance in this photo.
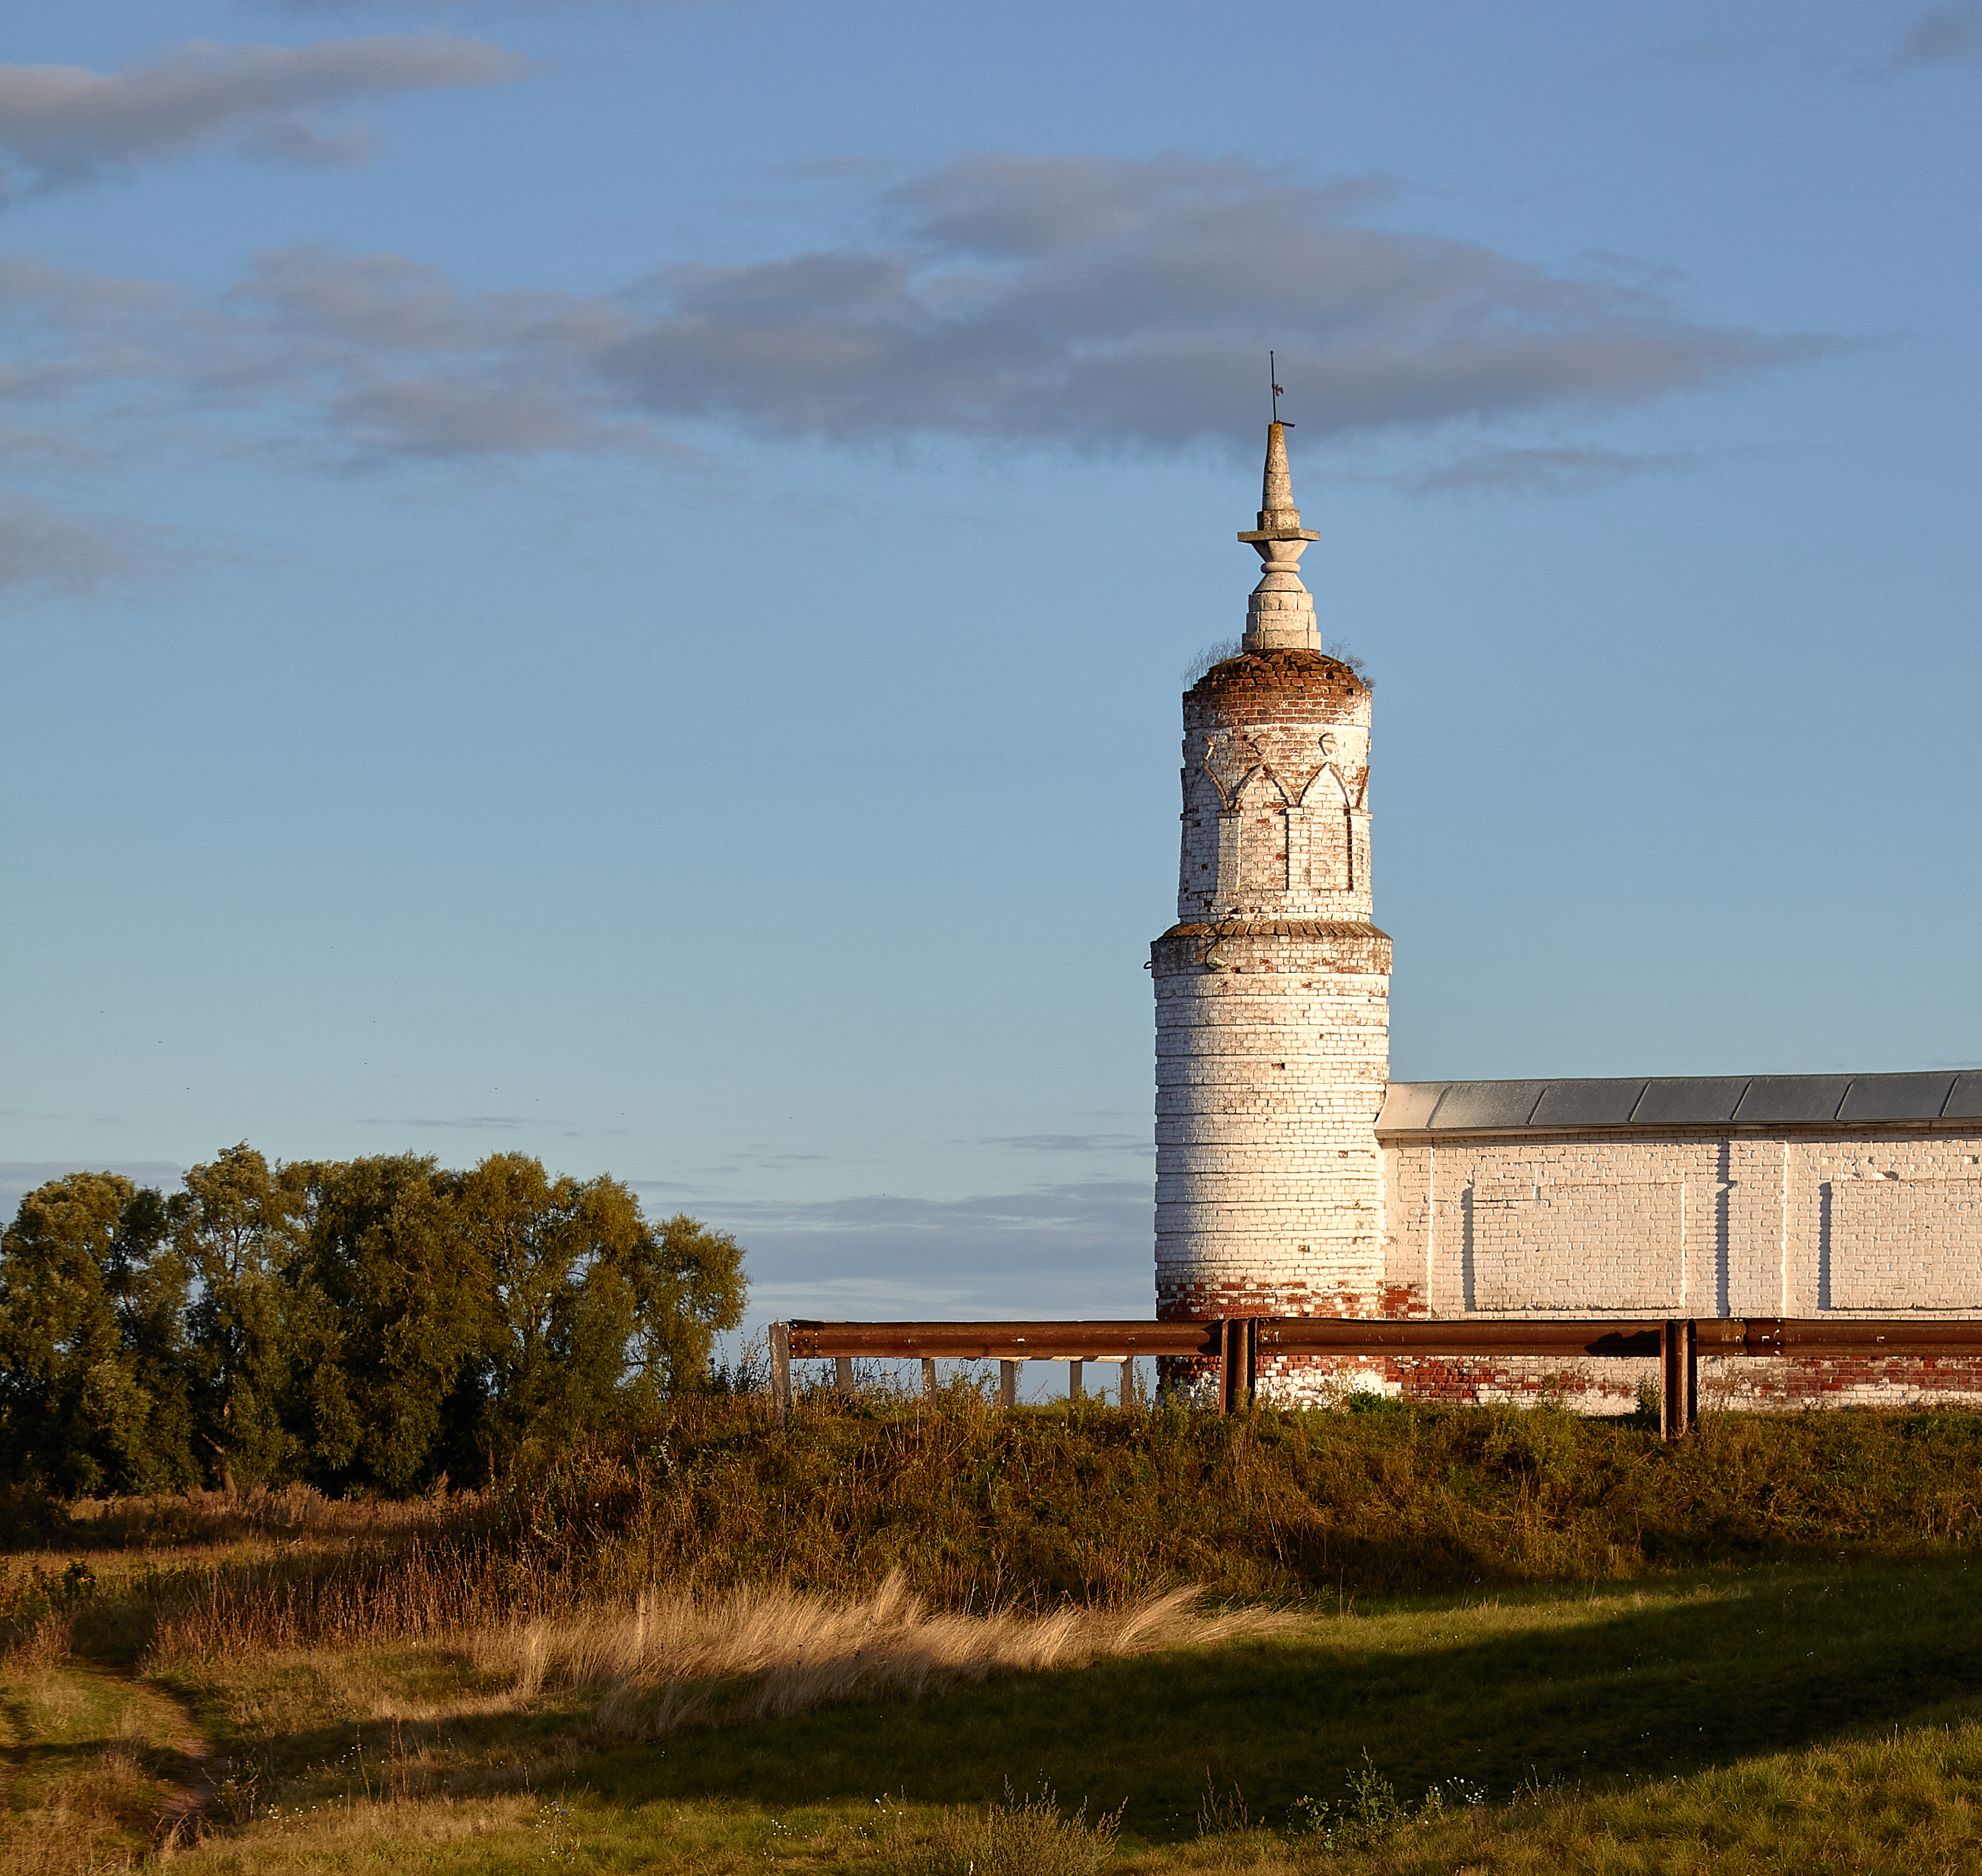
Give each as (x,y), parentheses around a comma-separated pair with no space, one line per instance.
(469,1122)
(65,125)
(43,551)
(1106,304)
(1074,1207)
(1081,1248)
(1537,471)
(1947,36)
(323,9)
(1075,1143)
(852,1298)
(1003,301)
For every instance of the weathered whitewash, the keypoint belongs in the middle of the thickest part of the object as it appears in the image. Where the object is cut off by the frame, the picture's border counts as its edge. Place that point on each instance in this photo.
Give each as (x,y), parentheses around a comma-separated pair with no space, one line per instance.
(1272,1013)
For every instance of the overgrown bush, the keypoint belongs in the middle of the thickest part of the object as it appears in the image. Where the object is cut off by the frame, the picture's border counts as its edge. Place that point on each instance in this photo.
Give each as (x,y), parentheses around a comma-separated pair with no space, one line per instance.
(976,1507)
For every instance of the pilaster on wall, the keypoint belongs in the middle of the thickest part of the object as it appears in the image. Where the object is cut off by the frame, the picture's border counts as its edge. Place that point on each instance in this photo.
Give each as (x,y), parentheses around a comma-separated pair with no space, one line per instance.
(1747,1233)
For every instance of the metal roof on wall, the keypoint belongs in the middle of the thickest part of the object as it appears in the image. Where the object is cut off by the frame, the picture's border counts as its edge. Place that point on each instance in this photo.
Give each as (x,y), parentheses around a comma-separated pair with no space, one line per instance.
(1680,1101)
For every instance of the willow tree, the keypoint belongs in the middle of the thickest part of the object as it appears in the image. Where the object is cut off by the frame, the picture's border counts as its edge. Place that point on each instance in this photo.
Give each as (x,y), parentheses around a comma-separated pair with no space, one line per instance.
(594,1308)
(94,1394)
(238,1225)
(391,1375)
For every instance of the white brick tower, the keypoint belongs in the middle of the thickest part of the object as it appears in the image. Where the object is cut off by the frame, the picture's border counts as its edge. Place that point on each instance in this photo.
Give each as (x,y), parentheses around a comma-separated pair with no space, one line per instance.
(1272,988)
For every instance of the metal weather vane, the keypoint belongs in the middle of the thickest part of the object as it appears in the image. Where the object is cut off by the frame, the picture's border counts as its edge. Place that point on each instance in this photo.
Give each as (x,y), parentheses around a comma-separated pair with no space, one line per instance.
(1280,389)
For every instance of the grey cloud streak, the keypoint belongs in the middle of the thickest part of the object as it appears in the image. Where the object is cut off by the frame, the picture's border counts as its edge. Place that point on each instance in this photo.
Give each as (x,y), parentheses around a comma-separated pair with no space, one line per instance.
(1102,303)
(1071,1249)
(1074,1207)
(64,124)
(1022,302)
(43,551)
(1947,36)
(1074,1142)
(1535,471)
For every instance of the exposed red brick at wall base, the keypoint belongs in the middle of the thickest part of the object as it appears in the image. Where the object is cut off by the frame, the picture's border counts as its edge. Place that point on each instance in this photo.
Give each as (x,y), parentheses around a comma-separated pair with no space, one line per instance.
(1739,1384)
(1211,1301)
(1761,1383)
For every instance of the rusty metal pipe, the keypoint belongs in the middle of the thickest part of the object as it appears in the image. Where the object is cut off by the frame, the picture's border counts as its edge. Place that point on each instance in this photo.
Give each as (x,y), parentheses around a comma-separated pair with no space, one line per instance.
(1238,1363)
(1003,1341)
(1341,1336)
(1769,1336)
(1265,1336)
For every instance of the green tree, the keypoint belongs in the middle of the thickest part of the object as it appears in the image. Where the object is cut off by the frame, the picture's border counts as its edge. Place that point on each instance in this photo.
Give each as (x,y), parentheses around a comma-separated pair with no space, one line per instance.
(378,1321)
(150,1283)
(555,1355)
(688,1282)
(410,1299)
(594,1310)
(92,1384)
(239,1226)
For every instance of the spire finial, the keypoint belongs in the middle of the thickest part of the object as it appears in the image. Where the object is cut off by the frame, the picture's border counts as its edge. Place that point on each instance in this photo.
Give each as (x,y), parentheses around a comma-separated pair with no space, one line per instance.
(1281,611)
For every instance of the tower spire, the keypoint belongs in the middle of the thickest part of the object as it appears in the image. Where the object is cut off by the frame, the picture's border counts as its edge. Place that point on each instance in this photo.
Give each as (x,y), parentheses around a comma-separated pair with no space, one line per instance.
(1281,611)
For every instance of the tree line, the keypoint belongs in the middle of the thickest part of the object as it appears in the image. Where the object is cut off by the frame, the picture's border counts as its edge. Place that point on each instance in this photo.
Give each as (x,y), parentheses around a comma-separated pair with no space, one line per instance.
(382,1322)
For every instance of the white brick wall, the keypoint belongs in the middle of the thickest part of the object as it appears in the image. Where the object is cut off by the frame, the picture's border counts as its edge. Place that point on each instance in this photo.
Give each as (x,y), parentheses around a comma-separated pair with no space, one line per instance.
(1804,1224)
(1643,1223)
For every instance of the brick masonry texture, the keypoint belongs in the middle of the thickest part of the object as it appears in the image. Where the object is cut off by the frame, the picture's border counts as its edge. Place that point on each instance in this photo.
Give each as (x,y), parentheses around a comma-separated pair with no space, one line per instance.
(1882,1221)
(1802,1225)
(1276,784)
(1276,1197)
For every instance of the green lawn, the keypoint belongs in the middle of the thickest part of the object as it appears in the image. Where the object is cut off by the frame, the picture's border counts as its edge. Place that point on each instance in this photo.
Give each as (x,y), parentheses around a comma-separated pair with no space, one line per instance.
(1781,1718)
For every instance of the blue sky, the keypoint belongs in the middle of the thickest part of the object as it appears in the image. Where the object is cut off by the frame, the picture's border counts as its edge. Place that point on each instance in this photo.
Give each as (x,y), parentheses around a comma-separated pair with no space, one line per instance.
(611,579)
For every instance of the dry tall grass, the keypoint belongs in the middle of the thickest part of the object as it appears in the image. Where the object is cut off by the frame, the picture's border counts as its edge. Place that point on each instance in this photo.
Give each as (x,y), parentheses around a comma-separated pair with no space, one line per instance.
(79,1824)
(979,1507)
(364,1596)
(35,1646)
(673,1659)
(793,1560)
(283,1514)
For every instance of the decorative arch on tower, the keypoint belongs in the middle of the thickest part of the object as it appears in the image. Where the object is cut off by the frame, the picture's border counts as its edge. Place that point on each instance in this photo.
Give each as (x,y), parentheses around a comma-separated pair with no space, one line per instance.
(1322,843)
(1264,808)
(1206,836)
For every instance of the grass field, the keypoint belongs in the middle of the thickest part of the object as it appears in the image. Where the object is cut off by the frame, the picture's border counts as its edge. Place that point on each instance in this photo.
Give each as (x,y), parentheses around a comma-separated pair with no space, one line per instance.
(562,1677)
